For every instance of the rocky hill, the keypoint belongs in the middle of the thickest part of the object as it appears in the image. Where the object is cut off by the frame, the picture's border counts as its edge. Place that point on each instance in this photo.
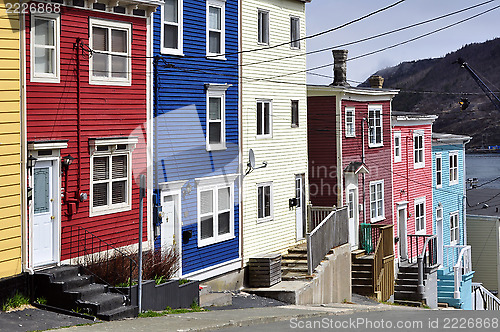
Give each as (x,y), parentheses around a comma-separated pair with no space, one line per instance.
(435,86)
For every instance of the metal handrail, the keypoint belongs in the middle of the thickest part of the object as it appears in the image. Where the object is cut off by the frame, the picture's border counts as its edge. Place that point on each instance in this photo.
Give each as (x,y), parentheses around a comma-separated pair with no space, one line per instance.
(426,257)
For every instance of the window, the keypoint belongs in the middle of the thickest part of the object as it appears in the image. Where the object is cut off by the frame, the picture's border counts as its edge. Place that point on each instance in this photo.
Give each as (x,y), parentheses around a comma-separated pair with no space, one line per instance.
(263,27)
(439,170)
(295,113)
(264,122)
(453,168)
(44,36)
(350,130)
(454,229)
(215,209)
(215,27)
(420,215)
(110,63)
(295,32)
(376,200)
(439,213)
(397,146)
(264,202)
(216,116)
(374,126)
(418,149)
(171,30)
(111,187)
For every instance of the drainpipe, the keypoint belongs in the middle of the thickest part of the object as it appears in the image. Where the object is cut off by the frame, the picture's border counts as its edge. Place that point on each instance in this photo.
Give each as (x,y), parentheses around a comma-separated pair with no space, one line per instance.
(407,176)
(363,160)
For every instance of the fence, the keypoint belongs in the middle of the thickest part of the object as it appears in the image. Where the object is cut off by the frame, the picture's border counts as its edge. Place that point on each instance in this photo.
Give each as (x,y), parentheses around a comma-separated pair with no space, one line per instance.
(483,299)
(460,258)
(316,214)
(369,236)
(383,261)
(332,232)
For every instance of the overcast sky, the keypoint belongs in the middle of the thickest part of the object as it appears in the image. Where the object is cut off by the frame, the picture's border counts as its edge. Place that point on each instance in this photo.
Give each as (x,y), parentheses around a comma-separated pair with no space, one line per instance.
(326,14)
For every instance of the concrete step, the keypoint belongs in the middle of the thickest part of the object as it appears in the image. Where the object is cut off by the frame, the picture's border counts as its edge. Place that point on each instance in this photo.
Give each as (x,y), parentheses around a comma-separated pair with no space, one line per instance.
(456,303)
(294,268)
(119,313)
(62,272)
(292,276)
(73,282)
(409,303)
(102,303)
(216,299)
(87,291)
(407,295)
(205,289)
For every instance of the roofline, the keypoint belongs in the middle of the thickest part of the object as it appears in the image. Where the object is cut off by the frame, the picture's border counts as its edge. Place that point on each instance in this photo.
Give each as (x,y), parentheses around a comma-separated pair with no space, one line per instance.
(464,139)
(327,90)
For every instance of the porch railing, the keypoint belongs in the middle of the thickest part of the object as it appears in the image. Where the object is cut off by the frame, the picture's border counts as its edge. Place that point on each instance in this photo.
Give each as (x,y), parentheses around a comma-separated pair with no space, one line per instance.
(383,262)
(483,299)
(369,236)
(87,249)
(423,250)
(316,214)
(460,259)
(332,232)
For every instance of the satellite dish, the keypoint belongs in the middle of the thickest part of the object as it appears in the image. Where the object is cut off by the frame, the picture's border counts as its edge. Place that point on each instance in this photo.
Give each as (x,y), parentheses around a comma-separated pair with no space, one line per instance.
(251,159)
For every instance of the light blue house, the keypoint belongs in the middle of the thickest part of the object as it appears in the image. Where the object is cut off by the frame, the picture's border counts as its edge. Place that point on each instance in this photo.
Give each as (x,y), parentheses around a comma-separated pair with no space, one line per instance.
(195,133)
(449,208)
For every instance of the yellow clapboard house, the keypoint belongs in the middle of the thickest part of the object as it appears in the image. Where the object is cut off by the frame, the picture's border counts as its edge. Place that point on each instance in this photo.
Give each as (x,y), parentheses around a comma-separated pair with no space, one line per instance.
(10,144)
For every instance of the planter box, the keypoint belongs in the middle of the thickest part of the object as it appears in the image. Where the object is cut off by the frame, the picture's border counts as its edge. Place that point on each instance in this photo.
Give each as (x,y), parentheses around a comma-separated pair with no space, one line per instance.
(169,294)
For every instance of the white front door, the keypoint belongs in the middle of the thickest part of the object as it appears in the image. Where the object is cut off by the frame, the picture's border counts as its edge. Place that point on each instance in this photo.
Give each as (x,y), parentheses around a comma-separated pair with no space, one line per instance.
(44,214)
(353,214)
(439,232)
(300,210)
(403,246)
(168,222)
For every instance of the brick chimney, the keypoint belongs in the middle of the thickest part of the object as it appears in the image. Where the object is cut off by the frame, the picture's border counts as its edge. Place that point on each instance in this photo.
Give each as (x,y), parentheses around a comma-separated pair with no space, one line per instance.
(376,81)
(340,68)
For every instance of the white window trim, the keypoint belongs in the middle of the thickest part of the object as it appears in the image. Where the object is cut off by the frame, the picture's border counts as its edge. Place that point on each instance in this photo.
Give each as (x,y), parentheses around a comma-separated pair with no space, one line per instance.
(397,158)
(375,108)
(452,154)
(222,5)
(353,110)
(216,90)
(271,217)
(180,33)
(439,218)
(108,24)
(455,214)
(270,135)
(259,10)
(111,208)
(421,164)
(299,34)
(440,157)
(214,184)
(41,77)
(382,216)
(419,201)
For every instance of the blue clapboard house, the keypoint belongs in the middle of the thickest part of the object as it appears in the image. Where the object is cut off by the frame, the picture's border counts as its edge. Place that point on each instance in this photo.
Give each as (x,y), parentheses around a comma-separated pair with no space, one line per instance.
(195,132)
(449,207)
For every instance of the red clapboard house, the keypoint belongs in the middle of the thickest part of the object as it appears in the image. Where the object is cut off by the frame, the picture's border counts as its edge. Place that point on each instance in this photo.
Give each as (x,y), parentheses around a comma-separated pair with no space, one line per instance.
(349,142)
(412,181)
(87,110)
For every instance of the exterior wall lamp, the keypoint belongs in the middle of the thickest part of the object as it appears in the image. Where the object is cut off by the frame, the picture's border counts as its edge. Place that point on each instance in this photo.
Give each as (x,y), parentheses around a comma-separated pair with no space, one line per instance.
(67,160)
(30,163)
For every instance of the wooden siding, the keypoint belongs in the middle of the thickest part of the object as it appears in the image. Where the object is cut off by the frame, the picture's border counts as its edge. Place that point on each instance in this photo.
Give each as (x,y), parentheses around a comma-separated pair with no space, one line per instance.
(483,235)
(106,111)
(322,148)
(286,151)
(180,125)
(10,145)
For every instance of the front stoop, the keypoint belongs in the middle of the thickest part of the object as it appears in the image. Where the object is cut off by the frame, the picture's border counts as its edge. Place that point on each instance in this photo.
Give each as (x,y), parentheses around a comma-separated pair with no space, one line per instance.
(68,288)
(294,264)
(406,288)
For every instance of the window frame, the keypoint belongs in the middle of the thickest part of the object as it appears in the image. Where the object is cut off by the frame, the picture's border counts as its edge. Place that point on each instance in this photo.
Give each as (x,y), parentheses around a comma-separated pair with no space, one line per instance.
(296,123)
(453,169)
(222,5)
(109,25)
(214,184)
(377,199)
(216,91)
(295,43)
(264,101)
(375,143)
(271,202)
(110,153)
(423,230)
(454,231)
(260,33)
(439,213)
(45,77)
(417,135)
(397,147)
(180,33)
(439,172)
(351,133)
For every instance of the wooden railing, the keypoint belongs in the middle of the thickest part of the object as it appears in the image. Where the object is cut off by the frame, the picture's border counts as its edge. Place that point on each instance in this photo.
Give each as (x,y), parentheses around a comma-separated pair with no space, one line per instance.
(332,232)
(316,214)
(460,259)
(483,299)
(383,262)
(423,250)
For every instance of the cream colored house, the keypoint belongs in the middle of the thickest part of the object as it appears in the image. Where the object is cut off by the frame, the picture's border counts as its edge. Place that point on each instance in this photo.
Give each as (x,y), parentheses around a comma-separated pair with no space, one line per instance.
(273,124)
